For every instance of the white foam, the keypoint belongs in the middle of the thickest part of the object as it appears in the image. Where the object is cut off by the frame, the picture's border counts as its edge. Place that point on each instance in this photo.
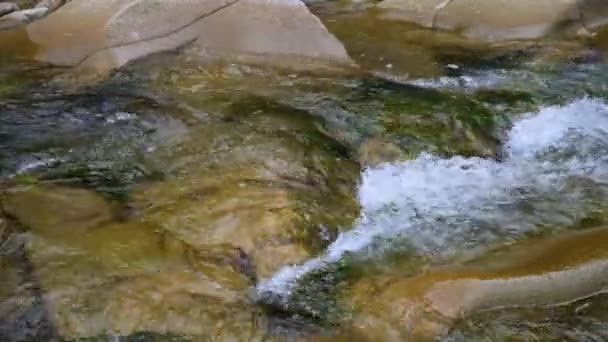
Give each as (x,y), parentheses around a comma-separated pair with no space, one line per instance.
(489,79)
(444,205)
(28,166)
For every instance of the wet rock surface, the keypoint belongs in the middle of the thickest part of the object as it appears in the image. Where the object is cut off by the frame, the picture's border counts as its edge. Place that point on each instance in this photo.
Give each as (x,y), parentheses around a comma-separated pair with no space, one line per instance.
(156,204)
(260,196)
(59,211)
(535,273)
(87,278)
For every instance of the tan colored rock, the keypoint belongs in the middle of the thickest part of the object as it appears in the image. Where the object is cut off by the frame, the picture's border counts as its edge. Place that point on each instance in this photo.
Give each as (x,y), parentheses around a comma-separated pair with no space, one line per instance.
(57,211)
(255,29)
(538,272)
(248,182)
(507,19)
(116,32)
(259,220)
(375,151)
(420,12)
(128,278)
(500,19)
(113,24)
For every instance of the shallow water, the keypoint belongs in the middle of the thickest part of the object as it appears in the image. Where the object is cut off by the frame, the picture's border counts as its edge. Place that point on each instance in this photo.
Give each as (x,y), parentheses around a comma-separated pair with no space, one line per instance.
(239,202)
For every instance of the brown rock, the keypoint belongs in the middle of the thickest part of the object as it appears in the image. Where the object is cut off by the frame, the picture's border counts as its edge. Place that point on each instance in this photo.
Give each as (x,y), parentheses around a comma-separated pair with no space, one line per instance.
(375,151)
(538,272)
(57,211)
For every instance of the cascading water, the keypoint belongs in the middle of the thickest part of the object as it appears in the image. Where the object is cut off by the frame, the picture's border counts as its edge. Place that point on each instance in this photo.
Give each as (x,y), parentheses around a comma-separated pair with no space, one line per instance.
(553,160)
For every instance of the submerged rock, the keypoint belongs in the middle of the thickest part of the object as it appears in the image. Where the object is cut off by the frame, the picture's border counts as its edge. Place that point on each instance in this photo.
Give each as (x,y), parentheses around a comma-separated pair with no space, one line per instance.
(538,272)
(375,151)
(584,319)
(248,190)
(262,179)
(116,32)
(94,276)
(126,278)
(56,211)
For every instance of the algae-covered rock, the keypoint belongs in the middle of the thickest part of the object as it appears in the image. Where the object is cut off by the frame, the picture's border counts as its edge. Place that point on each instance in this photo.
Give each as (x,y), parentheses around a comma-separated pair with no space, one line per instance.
(375,151)
(262,179)
(350,111)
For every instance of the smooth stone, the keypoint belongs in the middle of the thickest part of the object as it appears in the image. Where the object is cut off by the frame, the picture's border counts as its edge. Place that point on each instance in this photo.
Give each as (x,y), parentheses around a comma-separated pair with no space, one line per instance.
(420,12)
(7,7)
(248,181)
(126,278)
(19,18)
(119,31)
(500,19)
(250,30)
(57,211)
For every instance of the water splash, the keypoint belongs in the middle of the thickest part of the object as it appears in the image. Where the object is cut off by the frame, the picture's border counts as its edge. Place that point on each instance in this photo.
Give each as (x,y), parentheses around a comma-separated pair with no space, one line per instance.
(553,159)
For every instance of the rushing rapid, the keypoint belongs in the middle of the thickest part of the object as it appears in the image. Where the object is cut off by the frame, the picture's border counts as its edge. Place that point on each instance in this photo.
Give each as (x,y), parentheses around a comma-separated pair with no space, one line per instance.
(555,167)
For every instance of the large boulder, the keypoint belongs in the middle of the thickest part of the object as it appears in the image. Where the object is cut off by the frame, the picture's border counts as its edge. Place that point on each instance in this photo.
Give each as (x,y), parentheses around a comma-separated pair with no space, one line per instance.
(500,19)
(99,35)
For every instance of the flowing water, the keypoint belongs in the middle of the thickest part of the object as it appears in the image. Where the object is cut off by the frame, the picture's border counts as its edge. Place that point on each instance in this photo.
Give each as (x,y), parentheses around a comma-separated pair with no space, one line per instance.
(554,171)
(238,202)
